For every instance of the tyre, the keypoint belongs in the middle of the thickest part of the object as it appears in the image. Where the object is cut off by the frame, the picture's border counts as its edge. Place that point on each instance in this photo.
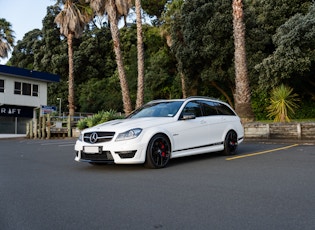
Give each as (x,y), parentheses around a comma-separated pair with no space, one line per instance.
(158,152)
(230,143)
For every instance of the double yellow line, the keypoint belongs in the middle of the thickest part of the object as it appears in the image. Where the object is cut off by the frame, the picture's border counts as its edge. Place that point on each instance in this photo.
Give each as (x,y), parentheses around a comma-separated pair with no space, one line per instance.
(259,153)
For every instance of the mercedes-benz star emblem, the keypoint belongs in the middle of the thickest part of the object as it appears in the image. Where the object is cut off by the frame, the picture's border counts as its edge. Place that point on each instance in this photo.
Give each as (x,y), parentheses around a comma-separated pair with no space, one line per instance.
(93,138)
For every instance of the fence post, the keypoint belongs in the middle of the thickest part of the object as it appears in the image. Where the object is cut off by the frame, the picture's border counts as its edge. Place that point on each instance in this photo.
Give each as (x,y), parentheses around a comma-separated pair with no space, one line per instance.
(48,126)
(69,126)
(43,126)
(31,129)
(28,130)
(39,130)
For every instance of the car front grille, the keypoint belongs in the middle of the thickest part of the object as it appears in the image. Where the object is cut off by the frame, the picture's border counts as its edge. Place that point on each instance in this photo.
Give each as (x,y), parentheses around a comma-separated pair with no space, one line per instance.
(103,156)
(98,137)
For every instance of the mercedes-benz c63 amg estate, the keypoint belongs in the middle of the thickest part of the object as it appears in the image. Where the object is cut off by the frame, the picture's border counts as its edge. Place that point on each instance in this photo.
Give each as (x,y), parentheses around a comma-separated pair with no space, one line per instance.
(161,130)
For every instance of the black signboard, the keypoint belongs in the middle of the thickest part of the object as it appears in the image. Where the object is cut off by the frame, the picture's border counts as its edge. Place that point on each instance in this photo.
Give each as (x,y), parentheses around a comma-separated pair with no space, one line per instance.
(16,111)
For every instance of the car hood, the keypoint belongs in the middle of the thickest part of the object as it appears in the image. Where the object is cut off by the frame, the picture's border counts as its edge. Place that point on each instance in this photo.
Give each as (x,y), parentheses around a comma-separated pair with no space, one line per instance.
(122,125)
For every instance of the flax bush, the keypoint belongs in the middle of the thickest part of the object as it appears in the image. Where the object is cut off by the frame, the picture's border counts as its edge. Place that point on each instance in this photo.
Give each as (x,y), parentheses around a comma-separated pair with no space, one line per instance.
(283,103)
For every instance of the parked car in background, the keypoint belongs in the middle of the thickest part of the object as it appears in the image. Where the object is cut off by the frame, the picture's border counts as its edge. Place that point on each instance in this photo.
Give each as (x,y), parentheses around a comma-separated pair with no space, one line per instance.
(161,130)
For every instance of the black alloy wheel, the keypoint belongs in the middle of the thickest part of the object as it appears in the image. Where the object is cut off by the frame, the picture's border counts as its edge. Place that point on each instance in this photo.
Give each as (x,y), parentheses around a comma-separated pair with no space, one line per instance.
(230,143)
(158,152)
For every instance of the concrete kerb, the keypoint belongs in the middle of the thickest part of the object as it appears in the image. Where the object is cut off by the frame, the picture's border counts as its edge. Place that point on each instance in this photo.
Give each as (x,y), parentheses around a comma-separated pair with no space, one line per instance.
(9,136)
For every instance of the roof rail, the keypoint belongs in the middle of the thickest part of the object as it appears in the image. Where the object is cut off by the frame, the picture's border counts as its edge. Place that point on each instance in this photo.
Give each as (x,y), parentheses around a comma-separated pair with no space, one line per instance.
(204,97)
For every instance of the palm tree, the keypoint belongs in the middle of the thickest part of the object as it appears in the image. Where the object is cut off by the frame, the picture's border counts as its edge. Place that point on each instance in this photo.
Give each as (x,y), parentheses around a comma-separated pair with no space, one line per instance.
(123,7)
(72,20)
(242,94)
(109,6)
(140,90)
(6,38)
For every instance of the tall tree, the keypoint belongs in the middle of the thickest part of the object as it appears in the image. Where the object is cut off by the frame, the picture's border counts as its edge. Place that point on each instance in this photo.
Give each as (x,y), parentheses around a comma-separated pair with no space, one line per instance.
(140,91)
(25,50)
(172,14)
(109,6)
(242,96)
(72,20)
(6,38)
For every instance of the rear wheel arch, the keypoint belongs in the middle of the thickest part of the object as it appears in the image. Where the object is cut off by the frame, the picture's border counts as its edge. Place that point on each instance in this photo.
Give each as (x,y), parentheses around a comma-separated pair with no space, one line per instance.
(230,143)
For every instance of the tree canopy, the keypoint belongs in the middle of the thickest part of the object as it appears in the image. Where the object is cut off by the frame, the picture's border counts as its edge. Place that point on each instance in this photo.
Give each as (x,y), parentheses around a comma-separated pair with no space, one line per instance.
(194,41)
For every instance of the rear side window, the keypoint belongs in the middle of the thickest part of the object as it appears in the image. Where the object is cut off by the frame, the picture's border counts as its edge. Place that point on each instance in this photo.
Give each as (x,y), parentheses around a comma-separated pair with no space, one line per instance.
(209,108)
(193,108)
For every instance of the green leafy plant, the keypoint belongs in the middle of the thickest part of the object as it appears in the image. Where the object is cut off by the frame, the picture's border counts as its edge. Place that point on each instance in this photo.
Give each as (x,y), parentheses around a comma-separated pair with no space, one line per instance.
(98,118)
(283,104)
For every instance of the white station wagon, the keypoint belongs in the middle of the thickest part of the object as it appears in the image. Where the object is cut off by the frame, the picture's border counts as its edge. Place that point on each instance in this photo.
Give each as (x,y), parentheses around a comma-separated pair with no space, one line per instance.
(162,130)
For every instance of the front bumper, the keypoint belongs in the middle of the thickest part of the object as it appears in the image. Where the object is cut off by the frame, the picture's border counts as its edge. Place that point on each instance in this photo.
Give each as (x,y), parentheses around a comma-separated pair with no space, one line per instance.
(121,152)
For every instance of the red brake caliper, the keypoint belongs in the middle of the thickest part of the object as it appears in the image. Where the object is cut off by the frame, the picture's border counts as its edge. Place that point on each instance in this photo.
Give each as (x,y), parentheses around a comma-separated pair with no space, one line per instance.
(163,154)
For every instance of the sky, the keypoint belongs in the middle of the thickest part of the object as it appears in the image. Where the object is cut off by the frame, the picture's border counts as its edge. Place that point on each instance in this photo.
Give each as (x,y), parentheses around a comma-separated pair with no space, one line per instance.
(24,16)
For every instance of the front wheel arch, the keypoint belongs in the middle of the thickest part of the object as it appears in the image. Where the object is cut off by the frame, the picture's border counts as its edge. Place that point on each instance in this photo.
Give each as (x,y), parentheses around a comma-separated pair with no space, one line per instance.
(158,152)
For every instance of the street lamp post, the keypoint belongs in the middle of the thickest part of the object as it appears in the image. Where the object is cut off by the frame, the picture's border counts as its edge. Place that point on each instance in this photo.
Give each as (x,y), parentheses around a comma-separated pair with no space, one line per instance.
(59,99)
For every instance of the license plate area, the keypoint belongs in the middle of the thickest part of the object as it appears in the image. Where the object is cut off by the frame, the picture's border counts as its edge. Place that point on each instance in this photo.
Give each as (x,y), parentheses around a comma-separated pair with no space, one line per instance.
(93,149)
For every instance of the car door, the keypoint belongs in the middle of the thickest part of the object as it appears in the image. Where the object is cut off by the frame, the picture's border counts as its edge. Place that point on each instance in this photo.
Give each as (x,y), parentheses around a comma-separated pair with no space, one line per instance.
(191,133)
(216,122)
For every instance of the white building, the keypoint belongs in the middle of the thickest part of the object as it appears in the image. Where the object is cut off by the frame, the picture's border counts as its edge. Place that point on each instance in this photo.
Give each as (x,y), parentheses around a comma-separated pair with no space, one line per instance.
(22,93)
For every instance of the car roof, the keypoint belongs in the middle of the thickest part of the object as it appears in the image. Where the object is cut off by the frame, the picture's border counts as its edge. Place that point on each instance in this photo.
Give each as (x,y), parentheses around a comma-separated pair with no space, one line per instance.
(186,99)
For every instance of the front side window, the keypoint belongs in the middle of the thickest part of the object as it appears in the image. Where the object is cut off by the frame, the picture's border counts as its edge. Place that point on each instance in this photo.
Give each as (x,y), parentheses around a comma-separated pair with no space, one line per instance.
(1,86)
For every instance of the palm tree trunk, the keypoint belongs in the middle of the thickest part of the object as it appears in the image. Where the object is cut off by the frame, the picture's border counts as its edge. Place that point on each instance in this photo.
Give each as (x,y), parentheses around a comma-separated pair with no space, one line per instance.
(140,90)
(242,94)
(183,82)
(112,14)
(71,75)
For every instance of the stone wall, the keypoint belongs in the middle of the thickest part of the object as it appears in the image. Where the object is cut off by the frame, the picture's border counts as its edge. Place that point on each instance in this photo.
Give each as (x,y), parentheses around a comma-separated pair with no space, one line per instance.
(292,130)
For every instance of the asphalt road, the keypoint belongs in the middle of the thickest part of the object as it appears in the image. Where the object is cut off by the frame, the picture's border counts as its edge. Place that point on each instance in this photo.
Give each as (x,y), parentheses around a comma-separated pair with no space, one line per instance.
(42,187)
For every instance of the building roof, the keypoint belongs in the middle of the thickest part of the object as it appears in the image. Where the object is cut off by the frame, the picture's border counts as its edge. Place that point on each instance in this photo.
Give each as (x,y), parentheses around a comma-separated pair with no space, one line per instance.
(30,74)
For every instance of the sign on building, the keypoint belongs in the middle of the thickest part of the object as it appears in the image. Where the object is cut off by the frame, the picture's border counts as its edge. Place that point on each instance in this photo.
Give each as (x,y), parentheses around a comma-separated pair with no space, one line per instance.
(47,109)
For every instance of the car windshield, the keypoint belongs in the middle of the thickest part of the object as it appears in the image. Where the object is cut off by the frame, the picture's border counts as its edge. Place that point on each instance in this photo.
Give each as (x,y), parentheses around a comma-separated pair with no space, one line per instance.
(158,109)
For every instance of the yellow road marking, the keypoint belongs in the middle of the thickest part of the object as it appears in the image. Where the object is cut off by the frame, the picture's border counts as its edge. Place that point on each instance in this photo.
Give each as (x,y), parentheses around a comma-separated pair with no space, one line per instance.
(263,152)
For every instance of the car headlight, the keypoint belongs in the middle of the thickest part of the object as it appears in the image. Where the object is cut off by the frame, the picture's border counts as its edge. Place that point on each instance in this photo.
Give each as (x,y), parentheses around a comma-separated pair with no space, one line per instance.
(130,134)
(80,138)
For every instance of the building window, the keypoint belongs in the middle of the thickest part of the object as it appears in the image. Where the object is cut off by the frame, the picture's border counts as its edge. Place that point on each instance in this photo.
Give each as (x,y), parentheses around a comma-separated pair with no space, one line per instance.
(35,91)
(26,89)
(17,88)
(1,86)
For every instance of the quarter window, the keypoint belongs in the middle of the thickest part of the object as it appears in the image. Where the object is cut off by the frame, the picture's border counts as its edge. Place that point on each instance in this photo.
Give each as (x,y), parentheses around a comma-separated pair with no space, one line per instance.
(1,86)
(224,110)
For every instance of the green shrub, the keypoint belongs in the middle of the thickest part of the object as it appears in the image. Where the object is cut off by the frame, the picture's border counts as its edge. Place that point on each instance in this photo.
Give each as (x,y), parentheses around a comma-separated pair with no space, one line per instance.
(306,110)
(98,118)
(259,104)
